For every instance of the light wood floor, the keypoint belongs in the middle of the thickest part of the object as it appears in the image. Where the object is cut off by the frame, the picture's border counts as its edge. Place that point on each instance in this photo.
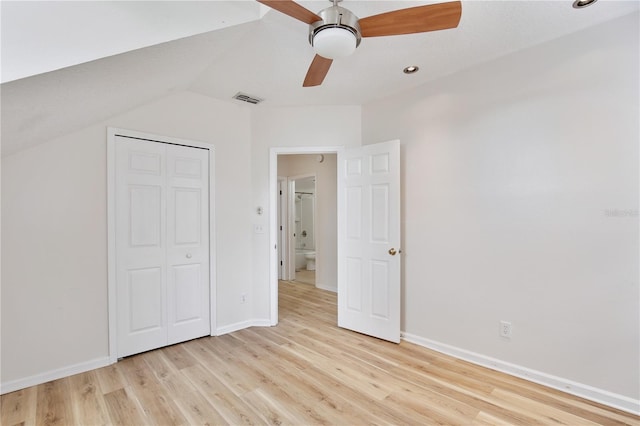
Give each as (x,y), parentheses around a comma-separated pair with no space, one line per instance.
(304,371)
(307,277)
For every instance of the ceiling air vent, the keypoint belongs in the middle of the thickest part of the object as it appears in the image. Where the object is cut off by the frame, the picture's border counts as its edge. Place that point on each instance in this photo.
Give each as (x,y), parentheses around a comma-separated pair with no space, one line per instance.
(247,98)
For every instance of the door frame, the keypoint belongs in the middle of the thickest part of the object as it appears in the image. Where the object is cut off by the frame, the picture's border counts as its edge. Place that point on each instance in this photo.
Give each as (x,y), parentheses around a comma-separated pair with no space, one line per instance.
(273,215)
(291,225)
(282,228)
(112,132)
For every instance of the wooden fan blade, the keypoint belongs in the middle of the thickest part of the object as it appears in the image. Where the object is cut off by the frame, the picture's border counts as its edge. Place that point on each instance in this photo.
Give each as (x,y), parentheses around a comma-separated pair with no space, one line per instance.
(413,20)
(317,71)
(293,9)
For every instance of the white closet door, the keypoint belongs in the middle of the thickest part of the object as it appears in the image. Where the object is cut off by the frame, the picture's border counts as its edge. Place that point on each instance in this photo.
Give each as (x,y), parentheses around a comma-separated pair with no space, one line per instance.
(161,264)
(188,243)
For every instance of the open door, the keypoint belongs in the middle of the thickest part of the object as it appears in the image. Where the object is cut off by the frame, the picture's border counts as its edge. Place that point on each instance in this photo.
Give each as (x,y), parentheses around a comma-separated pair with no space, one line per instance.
(369,240)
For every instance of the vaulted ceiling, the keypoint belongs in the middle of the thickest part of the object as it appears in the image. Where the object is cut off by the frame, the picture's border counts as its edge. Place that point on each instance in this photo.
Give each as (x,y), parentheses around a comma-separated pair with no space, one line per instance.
(66,65)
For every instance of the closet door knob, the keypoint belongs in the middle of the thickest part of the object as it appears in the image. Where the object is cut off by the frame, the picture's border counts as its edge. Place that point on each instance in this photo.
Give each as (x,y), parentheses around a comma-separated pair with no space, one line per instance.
(392,251)
(188,255)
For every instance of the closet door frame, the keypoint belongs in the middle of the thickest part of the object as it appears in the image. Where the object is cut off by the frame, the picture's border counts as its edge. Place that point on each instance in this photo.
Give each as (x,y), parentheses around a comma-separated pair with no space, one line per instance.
(112,133)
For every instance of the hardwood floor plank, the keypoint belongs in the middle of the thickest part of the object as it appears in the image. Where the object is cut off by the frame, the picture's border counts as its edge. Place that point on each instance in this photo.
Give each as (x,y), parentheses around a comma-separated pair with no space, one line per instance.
(160,364)
(229,405)
(305,371)
(124,409)
(316,396)
(365,407)
(225,368)
(19,407)
(179,356)
(270,408)
(53,403)
(486,419)
(88,404)
(464,393)
(158,405)
(193,405)
(110,378)
(547,414)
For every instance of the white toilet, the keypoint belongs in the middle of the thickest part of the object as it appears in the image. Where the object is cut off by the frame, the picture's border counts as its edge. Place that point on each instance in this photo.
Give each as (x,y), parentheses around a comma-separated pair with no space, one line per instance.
(310,257)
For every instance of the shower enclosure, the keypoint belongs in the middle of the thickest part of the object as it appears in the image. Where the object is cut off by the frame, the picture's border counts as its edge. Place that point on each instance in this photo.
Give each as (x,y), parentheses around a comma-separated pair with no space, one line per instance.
(304,226)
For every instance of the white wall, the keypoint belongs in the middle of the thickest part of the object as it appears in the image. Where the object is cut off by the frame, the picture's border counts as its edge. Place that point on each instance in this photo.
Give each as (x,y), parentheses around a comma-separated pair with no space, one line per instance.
(326,211)
(513,172)
(289,127)
(54,304)
(54,233)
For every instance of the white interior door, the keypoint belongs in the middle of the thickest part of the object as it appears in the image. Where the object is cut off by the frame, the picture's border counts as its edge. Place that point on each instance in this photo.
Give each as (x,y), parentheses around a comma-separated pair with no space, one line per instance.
(162,244)
(187,243)
(369,240)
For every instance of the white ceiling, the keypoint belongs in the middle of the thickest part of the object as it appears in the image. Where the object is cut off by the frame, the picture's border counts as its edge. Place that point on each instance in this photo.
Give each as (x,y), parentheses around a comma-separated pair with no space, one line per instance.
(222,47)
(42,36)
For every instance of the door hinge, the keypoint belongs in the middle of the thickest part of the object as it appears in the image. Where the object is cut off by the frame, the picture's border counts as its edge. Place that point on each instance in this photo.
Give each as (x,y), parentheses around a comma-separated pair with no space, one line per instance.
(281,228)
(281,192)
(281,263)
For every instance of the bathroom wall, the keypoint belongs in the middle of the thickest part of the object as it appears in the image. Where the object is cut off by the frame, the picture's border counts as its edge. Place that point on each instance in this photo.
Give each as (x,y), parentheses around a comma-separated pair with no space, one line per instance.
(326,207)
(304,206)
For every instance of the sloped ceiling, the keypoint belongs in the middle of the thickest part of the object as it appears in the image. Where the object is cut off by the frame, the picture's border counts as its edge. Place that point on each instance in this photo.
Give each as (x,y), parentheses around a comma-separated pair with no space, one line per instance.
(268,58)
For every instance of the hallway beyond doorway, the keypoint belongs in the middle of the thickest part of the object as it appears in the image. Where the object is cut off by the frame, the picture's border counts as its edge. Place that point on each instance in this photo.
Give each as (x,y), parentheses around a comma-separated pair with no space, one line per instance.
(305,276)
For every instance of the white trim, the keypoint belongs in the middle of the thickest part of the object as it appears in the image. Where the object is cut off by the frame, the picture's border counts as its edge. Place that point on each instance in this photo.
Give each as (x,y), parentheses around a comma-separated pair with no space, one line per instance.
(226,329)
(323,287)
(591,393)
(58,373)
(273,215)
(112,132)
(261,323)
(291,229)
(111,244)
(282,228)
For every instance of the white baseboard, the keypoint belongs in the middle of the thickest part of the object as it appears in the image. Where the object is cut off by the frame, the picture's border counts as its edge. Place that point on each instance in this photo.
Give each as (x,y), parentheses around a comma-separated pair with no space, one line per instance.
(58,373)
(37,379)
(242,325)
(323,287)
(261,323)
(601,396)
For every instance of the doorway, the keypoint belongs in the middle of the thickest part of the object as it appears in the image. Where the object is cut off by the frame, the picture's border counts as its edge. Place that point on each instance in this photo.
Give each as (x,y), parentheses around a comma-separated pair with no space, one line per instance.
(324,229)
(304,229)
(297,213)
(369,240)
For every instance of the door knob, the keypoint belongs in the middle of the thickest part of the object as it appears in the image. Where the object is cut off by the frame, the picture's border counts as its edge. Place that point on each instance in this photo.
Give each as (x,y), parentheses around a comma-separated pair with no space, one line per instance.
(392,251)
(188,255)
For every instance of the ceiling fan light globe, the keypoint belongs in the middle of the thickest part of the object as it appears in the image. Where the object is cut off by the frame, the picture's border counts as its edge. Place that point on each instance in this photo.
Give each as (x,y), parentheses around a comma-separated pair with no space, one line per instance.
(334,43)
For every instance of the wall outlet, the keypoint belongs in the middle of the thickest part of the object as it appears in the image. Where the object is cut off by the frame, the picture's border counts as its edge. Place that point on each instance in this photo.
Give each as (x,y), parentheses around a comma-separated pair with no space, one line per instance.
(243,298)
(505,329)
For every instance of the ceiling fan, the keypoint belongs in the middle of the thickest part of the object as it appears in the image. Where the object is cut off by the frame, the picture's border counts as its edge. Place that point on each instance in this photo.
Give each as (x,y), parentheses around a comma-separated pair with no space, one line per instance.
(336,32)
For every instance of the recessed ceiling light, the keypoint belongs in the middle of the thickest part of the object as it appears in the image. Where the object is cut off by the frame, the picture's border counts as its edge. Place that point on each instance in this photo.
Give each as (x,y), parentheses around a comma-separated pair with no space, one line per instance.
(580,4)
(411,70)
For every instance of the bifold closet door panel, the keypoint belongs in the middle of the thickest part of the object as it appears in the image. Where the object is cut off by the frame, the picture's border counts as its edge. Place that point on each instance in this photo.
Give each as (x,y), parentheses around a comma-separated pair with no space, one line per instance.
(140,245)
(188,243)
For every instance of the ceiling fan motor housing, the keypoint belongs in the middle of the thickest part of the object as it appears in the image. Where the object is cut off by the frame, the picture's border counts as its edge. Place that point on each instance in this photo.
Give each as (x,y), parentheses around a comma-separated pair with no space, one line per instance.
(336,17)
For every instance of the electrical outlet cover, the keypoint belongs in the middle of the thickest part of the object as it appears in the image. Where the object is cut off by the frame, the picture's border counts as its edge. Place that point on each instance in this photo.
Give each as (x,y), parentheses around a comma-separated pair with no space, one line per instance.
(505,329)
